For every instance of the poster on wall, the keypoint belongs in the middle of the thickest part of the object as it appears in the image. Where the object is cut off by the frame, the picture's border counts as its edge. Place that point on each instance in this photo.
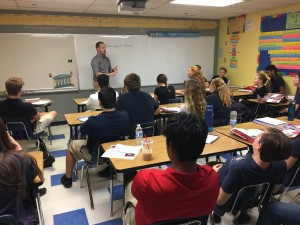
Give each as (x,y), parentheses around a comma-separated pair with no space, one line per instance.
(236,25)
(279,43)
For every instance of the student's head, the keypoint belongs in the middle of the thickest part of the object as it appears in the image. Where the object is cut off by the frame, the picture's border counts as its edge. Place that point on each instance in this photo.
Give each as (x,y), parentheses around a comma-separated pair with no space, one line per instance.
(199,67)
(14,85)
(194,99)
(296,80)
(103,80)
(185,136)
(273,145)
(260,79)
(107,97)
(219,86)
(193,71)
(222,72)
(162,79)
(271,70)
(101,48)
(133,82)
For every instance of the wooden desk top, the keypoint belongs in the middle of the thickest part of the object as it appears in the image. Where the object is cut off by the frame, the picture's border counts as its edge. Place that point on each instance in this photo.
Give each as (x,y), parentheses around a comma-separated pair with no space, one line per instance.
(38,155)
(78,101)
(237,93)
(254,100)
(72,118)
(160,156)
(249,125)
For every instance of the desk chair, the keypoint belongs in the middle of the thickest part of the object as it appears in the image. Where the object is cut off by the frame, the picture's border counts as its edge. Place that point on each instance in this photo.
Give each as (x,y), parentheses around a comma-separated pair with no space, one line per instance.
(247,197)
(149,129)
(19,129)
(8,219)
(292,182)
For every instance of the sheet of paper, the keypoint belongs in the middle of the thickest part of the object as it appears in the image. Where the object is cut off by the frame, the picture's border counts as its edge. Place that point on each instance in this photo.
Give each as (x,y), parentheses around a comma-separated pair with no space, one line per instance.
(211,139)
(83,119)
(170,109)
(120,151)
(41,102)
(269,121)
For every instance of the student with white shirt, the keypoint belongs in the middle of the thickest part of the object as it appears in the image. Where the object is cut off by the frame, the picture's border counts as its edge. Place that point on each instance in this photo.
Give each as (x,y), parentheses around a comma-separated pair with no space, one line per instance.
(93,102)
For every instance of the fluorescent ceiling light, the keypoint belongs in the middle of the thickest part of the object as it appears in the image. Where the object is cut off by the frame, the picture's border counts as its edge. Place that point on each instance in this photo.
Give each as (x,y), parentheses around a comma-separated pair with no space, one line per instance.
(216,3)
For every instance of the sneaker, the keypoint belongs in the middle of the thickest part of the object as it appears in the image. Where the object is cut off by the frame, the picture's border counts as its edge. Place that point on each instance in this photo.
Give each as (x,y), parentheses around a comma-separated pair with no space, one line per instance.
(67,182)
(216,218)
(49,161)
(243,218)
(106,173)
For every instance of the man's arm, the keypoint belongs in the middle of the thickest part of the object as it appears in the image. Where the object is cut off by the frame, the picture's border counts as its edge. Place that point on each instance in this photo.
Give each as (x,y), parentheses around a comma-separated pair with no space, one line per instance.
(36,118)
(223,197)
(281,90)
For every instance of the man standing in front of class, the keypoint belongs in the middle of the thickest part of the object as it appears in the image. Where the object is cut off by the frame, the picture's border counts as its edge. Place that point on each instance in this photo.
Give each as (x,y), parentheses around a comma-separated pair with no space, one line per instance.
(101,64)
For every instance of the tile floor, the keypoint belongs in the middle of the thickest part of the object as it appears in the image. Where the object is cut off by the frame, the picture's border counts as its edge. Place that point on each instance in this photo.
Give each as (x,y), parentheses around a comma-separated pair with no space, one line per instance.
(63,206)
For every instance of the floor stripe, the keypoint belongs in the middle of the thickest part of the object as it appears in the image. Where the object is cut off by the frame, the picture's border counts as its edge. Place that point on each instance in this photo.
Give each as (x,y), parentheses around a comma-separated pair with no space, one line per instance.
(117,221)
(55,179)
(117,192)
(59,153)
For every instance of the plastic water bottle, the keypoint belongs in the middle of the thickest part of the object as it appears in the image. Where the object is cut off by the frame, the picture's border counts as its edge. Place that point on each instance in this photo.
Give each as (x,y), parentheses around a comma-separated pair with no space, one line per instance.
(138,135)
(233,116)
(291,111)
(209,117)
(228,83)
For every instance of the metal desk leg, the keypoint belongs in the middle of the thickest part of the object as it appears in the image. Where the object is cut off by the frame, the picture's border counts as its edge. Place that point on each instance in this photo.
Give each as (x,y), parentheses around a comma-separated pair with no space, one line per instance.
(111,191)
(50,134)
(39,207)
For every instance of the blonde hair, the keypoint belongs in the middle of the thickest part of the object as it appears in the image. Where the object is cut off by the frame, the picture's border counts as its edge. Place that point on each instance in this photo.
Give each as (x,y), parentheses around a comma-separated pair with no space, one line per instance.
(199,75)
(13,85)
(194,98)
(219,85)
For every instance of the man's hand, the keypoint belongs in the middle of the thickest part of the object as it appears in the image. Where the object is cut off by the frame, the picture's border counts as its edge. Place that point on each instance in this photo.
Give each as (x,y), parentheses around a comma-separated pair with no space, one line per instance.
(218,167)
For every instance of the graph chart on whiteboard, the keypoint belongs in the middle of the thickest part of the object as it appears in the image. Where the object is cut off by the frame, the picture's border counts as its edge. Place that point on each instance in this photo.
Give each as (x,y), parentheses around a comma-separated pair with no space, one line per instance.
(279,43)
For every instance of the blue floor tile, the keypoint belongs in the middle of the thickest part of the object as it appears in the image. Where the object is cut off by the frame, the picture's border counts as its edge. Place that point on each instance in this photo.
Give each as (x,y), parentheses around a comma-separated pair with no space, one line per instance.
(55,179)
(59,153)
(117,192)
(71,218)
(58,136)
(117,221)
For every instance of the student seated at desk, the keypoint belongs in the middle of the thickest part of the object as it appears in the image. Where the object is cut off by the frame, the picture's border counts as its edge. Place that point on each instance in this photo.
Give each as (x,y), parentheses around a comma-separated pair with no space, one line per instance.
(183,190)
(108,126)
(220,98)
(139,105)
(206,82)
(93,102)
(17,172)
(264,165)
(163,92)
(13,106)
(276,80)
(296,83)
(194,72)
(194,99)
(260,91)
(222,73)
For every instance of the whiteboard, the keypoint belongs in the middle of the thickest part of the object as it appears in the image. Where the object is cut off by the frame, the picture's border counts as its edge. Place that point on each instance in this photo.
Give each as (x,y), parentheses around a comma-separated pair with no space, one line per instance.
(145,56)
(38,59)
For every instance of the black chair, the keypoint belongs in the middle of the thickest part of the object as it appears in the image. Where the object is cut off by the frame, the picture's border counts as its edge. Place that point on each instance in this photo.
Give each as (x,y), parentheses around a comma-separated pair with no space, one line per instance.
(174,100)
(181,221)
(247,197)
(19,129)
(149,129)
(292,182)
(8,219)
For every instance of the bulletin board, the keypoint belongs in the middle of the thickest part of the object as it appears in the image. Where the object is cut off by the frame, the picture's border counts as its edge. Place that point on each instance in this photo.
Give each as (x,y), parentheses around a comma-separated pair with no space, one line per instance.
(279,43)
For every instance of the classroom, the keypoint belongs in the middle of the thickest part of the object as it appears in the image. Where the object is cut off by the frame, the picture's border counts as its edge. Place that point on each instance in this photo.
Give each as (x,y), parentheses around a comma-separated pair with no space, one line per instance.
(50,44)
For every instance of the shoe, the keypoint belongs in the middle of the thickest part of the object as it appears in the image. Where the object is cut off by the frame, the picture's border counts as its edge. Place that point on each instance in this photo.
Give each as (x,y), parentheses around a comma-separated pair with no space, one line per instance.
(42,191)
(243,218)
(216,218)
(67,182)
(49,161)
(106,173)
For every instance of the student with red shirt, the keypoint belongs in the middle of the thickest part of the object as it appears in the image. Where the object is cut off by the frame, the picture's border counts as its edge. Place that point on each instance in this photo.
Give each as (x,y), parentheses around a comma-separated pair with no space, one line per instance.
(183,190)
